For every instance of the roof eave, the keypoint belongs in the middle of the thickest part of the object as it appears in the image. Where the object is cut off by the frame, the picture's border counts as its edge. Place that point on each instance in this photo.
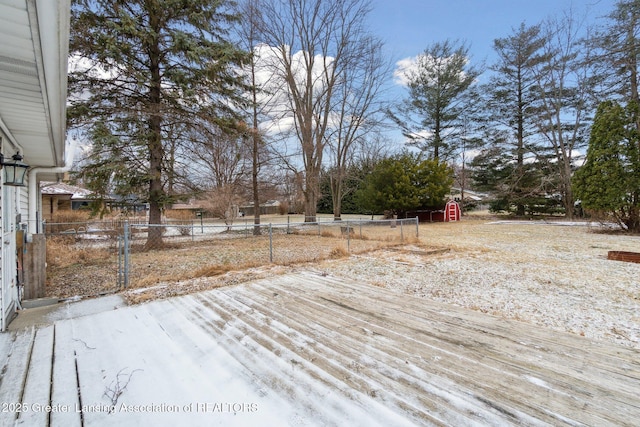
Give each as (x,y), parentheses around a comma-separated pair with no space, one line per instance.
(51,48)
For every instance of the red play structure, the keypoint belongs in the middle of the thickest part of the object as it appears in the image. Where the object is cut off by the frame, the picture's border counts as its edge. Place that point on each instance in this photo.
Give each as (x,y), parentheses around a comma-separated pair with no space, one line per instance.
(452,211)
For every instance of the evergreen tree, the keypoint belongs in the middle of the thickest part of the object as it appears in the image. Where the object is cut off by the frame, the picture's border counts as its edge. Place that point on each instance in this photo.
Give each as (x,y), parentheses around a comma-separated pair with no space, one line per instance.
(144,68)
(617,61)
(353,179)
(405,182)
(609,181)
(439,87)
(512,98)
(494,172)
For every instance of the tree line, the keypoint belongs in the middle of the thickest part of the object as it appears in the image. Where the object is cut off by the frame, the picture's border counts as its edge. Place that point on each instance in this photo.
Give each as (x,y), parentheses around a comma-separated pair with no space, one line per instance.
(241,102)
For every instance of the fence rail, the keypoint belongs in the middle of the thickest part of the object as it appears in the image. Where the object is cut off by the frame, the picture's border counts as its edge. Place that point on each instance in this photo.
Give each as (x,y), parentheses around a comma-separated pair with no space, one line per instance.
(142,254)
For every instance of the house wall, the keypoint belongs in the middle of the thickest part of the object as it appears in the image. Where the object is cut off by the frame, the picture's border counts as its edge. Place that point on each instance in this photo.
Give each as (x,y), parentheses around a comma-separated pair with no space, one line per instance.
(51,204)
(4,304)
(264,210)
(23,202)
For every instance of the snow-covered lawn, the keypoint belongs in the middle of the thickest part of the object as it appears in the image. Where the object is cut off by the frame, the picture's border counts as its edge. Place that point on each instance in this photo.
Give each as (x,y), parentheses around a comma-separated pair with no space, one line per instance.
(555,275)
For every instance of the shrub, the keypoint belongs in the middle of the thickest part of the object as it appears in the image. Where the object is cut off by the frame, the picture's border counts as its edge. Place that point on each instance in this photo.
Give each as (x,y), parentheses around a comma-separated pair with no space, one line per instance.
(283,209)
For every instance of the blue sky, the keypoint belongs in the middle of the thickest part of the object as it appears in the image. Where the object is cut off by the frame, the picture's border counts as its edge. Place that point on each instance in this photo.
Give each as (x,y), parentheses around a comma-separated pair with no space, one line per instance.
(409,26)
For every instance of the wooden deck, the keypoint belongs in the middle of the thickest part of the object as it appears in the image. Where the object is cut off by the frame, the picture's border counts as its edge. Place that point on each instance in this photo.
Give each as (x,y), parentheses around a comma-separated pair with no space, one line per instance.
(328,349)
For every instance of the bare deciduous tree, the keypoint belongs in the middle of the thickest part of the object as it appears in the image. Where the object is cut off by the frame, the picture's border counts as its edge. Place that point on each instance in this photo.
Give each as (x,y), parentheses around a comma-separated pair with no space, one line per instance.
(313,44)
(357,113)
(564,91)
(221,162)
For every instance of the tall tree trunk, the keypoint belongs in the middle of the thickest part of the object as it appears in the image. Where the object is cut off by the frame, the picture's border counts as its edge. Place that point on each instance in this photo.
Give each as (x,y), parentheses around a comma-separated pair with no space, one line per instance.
(568,199)
(254,176)
(311,191)
(156,193)
(336,183)
(520,147)
(255,137)
(170,168)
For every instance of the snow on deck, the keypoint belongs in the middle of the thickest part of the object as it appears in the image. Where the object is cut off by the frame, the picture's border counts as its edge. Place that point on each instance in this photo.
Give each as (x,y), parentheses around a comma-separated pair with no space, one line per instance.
(307,350)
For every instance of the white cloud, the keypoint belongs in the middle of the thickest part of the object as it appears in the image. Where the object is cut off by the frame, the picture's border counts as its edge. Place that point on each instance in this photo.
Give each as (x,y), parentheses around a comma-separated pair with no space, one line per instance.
(426,66)
(404,68)
(82,64)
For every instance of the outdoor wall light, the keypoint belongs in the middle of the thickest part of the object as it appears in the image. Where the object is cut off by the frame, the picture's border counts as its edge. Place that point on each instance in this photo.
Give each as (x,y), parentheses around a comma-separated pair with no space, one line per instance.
(14,171)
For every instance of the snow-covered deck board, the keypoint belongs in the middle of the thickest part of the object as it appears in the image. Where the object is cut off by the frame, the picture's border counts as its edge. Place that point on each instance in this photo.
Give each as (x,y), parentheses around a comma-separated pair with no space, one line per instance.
(303,349)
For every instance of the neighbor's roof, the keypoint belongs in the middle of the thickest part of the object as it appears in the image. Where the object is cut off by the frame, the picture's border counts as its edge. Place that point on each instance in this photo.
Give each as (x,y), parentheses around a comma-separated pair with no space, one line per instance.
(469,194)
(33,78)
(60,188)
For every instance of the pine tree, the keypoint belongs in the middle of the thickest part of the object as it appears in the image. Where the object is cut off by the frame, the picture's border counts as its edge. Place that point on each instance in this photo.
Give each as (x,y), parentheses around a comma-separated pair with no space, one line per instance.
(439,92)
(609,183)
(513,94)
(144,69)
(405,182)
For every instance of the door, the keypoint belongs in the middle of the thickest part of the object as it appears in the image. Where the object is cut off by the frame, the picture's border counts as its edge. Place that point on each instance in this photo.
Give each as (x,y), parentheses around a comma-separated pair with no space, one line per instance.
(8,275)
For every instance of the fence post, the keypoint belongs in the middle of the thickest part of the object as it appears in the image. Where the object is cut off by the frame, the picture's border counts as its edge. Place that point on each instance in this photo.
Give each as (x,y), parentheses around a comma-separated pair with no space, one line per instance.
(270,244)
(119,241)
(348,238)
(401,231)
(126,254)
(417,227)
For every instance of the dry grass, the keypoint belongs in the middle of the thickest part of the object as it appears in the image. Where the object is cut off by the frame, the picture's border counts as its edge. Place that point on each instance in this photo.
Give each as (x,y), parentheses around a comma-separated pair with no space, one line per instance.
(79,270)
(338,252)
(71,216)
(555,276)
(64,252)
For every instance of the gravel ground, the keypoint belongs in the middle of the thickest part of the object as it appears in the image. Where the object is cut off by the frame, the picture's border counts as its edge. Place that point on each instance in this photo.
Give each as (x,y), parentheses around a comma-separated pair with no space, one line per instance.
(555,275)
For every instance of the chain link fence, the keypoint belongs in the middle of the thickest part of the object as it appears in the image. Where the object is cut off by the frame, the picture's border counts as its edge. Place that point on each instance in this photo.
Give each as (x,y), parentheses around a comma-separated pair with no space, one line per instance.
(103,257)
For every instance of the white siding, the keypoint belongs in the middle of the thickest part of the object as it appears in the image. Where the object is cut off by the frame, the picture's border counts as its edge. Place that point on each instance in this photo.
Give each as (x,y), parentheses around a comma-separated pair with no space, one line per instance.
(23,205)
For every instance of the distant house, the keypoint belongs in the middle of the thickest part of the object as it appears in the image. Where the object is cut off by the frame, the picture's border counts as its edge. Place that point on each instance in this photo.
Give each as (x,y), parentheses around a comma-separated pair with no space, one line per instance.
(126,204)
(192,205)
(270,207)
(474,197)
(58,196)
